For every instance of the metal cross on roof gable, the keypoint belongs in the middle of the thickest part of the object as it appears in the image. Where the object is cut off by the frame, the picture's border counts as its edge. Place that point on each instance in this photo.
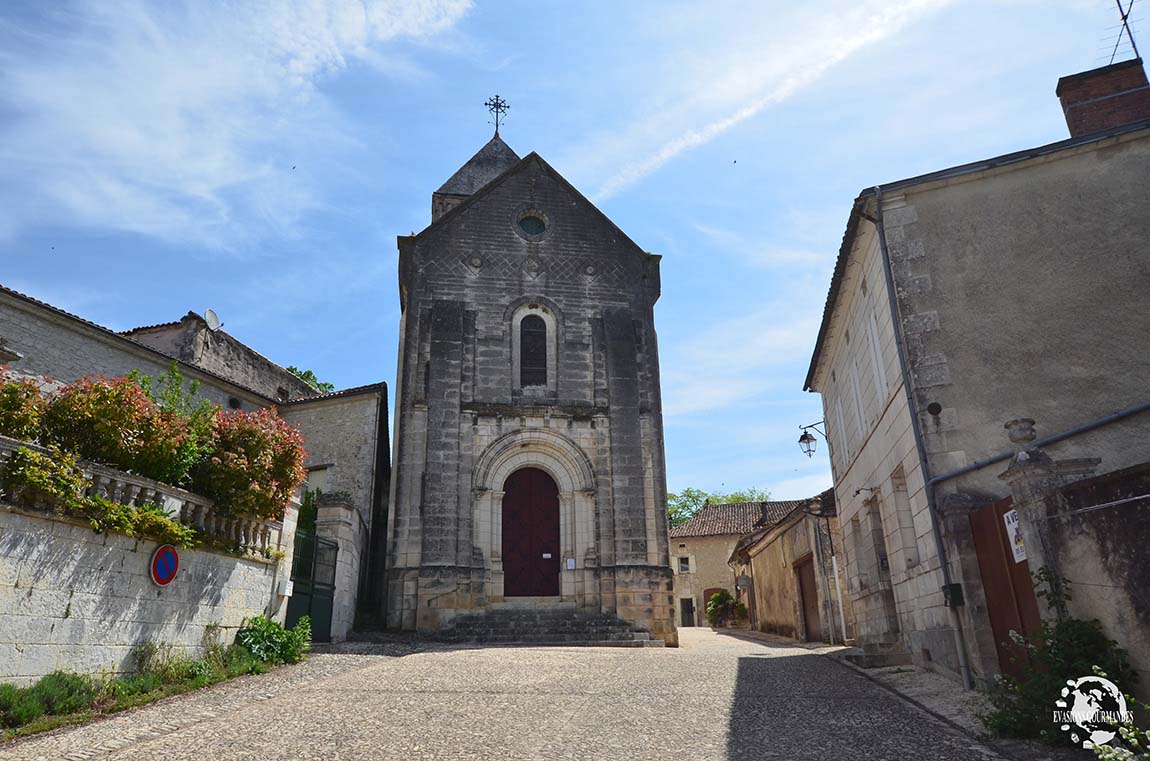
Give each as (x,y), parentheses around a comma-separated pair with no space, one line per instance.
(498,107)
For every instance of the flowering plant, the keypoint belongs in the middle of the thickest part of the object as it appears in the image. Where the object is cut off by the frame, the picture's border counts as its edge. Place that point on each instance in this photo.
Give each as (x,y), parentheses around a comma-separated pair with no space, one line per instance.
(256,465)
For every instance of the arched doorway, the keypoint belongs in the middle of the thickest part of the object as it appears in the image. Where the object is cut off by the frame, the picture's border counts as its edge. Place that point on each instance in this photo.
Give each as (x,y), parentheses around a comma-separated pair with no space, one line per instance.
(530,534)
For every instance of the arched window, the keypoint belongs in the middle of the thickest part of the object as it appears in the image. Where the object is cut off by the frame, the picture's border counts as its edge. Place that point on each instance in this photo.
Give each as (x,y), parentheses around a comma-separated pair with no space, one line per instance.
(532,351)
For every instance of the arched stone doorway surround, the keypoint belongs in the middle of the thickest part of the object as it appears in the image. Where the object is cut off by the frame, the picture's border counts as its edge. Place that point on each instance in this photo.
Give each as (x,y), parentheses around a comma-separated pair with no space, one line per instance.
(566,463)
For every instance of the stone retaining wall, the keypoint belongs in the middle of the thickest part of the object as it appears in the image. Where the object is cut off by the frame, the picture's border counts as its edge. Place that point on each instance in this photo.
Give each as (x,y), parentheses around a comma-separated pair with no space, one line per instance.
(76,600)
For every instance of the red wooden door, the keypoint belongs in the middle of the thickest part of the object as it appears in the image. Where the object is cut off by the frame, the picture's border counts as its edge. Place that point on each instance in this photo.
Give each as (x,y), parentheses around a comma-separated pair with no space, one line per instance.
(530,535)
(1010,600)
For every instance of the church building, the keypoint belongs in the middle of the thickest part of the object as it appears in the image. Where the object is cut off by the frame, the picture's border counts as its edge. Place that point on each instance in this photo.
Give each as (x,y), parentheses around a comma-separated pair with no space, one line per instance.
(529,464)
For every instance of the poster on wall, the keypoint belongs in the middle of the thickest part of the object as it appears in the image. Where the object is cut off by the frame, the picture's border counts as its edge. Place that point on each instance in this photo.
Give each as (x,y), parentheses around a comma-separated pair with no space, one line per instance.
(1014,535)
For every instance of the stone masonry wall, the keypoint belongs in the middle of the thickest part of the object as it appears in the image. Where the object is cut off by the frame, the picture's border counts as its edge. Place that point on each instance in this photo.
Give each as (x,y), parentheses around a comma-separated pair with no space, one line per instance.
(74,599)
(67,348)
(707,556)
(216,351)
(462,281)
(342,435)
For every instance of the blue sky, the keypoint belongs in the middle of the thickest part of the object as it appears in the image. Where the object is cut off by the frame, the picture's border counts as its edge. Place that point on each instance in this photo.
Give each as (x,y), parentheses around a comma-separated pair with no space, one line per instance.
(260,158)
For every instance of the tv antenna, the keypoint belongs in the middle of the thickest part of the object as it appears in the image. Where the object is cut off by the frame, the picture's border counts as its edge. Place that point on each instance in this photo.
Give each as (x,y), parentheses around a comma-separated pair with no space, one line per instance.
(1125,15)
(212,319)
(498,107)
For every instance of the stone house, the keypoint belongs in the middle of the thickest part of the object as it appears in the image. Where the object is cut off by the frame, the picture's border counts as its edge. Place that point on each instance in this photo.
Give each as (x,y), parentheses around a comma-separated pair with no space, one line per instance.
(702,546)
(529,433)
(1009,288)
(796,586)
(345,434)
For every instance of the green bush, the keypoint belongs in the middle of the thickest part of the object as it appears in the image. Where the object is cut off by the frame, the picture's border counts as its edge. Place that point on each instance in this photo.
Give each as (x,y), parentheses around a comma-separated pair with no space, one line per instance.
(21,405)
(61,692)
(272,643)
(55,694)
(180,432)
(1068,648)
(720,608)
(128,686)
(18,706)
(44,479)
(53,479)
(160,660)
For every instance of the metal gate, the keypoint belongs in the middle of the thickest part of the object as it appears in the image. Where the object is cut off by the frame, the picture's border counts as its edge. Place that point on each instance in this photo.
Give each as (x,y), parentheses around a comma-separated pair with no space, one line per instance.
(313,583)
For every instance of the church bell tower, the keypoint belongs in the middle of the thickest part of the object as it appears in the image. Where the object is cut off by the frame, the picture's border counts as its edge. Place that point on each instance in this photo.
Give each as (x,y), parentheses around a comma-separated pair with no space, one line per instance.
(529,464)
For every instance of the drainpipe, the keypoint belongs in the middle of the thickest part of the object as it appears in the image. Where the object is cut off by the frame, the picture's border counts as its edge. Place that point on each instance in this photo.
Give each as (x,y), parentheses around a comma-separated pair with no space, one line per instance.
(915,426)
(838,586)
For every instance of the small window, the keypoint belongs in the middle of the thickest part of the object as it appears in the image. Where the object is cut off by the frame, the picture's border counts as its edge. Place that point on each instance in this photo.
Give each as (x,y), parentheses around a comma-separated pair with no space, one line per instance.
(532,225)
(234,403)
(684,565)
(533,351)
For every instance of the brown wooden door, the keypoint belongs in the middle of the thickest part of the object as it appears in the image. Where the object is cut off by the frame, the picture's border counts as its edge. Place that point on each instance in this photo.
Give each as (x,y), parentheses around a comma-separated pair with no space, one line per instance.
(809,591)
(1010,600)
(530,535)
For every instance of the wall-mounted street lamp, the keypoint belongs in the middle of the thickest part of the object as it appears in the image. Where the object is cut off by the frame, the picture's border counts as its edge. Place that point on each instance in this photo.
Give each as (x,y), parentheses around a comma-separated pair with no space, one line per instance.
(807,442)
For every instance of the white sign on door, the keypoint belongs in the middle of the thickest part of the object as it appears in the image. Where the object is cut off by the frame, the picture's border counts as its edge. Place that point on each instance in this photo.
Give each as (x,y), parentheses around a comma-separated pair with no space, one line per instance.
(1014,535)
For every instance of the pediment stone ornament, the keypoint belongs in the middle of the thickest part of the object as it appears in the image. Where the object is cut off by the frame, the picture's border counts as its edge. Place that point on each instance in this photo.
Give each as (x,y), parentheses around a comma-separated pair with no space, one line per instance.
(474,263)
(533,267)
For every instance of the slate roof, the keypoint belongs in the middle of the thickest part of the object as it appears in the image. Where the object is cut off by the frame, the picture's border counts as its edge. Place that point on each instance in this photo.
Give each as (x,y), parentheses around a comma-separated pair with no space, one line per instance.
(492,160)
(736,518)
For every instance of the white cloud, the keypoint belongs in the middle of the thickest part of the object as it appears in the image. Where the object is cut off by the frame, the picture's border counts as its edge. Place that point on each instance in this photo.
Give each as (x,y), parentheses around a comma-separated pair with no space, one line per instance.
(184,120)
(801,487)
(763,255)
(772,55)
(733,360)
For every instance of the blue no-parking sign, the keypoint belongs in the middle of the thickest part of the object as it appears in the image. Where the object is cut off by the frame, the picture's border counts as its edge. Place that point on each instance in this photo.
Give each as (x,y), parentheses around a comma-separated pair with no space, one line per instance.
(165,564)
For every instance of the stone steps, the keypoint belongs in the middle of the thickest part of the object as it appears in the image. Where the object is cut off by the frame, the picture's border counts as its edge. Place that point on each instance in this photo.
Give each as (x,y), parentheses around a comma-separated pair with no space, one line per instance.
(530,622)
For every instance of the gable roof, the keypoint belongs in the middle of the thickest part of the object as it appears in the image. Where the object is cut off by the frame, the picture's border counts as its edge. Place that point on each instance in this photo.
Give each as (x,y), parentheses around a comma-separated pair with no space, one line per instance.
(868,195)
(489,162)
(736,518)
(531,159)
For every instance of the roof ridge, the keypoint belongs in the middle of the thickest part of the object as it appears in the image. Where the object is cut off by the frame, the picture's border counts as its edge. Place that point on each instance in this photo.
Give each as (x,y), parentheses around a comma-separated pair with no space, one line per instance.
(118,336)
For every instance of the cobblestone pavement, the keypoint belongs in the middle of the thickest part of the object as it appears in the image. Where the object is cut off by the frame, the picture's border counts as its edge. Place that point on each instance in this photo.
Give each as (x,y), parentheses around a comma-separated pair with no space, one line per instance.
(717,697)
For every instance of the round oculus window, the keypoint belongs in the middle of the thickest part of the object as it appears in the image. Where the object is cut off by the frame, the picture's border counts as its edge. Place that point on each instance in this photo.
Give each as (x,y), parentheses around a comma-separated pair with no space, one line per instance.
(532,225)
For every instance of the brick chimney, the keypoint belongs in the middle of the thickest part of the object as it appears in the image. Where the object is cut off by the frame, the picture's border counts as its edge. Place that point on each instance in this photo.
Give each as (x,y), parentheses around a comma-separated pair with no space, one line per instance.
(1105,98)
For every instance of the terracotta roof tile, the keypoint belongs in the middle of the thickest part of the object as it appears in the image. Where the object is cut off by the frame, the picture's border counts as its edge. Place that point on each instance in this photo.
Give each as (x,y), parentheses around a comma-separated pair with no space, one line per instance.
(736,518)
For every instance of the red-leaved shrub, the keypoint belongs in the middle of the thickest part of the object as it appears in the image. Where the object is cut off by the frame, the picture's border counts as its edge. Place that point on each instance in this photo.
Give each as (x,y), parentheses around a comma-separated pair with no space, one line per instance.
(256,466)
(21,405)
(101,419)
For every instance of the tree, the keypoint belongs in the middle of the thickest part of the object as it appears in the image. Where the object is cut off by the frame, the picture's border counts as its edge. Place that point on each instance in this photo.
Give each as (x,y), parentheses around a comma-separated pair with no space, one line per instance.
(308,377)
(682,505)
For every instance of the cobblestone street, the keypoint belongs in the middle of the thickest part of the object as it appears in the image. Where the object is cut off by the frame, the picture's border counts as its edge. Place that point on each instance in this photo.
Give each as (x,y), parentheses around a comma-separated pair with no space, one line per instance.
(717,697)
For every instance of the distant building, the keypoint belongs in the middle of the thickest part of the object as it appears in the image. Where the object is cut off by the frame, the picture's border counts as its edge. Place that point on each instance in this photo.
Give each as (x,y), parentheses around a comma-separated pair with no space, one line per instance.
(701,550)
(793,583)
(1008,289)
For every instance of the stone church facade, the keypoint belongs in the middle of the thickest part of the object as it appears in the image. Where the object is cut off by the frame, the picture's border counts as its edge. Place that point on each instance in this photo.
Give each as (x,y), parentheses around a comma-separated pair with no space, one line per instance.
(529,462)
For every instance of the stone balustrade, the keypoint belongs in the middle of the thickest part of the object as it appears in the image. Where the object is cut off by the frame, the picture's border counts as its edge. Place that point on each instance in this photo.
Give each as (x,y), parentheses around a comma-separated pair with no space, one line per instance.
(251,535)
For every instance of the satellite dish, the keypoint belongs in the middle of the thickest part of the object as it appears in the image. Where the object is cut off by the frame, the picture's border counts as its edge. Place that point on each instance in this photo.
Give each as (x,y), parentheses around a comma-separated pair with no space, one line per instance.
(212,319)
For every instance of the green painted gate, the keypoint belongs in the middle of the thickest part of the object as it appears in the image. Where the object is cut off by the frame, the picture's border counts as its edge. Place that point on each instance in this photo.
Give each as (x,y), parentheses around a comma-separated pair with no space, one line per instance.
(313,583)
